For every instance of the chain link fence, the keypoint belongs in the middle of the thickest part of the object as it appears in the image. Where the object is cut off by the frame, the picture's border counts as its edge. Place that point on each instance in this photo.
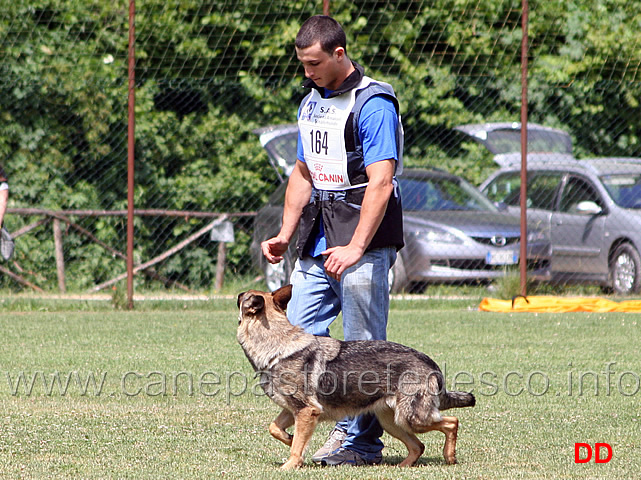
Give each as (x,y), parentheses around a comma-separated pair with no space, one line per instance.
(209,73)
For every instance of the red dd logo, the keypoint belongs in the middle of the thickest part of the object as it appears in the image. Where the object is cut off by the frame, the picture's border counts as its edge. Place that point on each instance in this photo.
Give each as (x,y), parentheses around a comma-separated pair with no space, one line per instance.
(583,453)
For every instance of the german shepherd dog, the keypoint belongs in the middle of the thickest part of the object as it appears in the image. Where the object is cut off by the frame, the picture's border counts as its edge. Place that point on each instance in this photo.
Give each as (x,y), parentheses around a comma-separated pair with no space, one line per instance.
(320,378)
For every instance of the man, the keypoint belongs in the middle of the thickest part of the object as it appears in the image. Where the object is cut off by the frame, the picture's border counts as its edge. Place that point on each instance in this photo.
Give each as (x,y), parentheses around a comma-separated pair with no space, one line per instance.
(6,242)
(4,194)
(343,199)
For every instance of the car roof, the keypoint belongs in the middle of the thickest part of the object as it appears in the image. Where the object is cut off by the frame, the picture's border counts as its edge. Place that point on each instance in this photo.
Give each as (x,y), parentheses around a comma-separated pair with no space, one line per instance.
(509,160)
(613,165)
(597,165)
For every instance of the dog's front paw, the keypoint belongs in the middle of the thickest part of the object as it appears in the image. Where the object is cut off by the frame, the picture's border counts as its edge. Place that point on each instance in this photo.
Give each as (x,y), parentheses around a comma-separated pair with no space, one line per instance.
(292,464)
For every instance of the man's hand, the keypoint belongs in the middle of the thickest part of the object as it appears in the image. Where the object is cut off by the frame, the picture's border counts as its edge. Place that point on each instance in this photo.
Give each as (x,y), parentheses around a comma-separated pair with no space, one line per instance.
(274,249)
(339,259)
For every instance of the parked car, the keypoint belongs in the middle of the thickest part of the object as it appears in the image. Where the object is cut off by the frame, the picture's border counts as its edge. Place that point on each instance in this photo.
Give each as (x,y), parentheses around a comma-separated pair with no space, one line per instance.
(452,232)
(590,209)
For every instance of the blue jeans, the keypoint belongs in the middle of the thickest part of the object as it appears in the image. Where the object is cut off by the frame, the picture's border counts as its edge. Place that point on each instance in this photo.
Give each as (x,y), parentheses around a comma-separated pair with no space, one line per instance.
(363,296)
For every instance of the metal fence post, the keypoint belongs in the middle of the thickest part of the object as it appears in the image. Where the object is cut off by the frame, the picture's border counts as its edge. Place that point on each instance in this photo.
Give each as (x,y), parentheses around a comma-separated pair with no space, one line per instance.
(524,120)
(130,155)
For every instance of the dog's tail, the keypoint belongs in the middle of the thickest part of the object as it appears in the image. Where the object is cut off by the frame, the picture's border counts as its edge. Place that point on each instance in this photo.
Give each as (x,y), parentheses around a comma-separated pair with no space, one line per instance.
(456,400)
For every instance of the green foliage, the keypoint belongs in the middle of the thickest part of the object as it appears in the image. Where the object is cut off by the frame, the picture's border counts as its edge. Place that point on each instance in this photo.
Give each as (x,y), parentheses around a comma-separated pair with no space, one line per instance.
(208,73)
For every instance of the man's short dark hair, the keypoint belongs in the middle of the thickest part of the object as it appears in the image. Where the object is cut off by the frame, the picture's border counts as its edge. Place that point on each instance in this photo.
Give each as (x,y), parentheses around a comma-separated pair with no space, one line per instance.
(323,29)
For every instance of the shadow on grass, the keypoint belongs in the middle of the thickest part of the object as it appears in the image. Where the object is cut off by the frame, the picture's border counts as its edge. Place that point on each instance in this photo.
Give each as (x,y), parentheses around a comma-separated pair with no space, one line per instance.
(388,461)
(395,460)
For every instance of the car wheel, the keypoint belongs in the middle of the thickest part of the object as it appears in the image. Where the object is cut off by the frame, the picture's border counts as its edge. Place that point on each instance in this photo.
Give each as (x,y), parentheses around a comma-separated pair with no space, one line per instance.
(397,276)
(625,268)
(277,274)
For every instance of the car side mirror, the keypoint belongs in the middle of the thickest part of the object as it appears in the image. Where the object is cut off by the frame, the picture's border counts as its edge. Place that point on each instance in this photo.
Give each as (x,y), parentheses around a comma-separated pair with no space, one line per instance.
(588,207)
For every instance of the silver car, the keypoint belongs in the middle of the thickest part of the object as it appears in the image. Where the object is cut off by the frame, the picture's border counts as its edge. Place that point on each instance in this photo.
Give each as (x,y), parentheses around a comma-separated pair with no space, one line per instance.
(452,232)
(590,209)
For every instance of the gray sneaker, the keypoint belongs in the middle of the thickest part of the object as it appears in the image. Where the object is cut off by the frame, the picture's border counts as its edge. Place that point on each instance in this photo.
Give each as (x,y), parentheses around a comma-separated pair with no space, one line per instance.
(334,442)
(342,456)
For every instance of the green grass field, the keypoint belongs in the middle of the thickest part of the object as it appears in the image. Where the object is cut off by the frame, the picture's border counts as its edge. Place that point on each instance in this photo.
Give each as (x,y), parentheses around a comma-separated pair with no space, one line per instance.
(167,393)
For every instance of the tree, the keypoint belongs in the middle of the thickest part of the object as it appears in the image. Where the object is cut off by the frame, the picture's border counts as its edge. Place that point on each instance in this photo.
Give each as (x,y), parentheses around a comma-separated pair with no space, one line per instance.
(208,73)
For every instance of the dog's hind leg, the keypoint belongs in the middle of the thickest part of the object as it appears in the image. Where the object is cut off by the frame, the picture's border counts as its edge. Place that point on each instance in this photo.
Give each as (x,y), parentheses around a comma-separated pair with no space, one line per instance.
(449,426)
(305,423)
(278,427)
(414,446)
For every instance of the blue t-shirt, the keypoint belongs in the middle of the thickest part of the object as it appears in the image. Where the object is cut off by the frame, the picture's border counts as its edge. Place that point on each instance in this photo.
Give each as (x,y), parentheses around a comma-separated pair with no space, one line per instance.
(377,130)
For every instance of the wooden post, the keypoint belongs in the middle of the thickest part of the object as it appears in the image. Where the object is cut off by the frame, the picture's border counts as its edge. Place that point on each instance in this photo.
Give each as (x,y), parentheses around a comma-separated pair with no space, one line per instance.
(60,255)
(220,266)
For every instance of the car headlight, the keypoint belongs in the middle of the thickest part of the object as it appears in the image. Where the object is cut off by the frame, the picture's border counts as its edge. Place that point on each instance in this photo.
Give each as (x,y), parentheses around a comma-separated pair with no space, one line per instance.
(435,235)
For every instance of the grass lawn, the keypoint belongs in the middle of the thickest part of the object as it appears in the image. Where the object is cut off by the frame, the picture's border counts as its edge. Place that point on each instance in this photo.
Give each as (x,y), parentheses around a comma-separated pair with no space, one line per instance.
(168,393)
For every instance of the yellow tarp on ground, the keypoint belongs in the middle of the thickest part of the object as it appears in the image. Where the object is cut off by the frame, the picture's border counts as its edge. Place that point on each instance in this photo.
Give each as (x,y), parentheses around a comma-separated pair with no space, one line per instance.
(558,304)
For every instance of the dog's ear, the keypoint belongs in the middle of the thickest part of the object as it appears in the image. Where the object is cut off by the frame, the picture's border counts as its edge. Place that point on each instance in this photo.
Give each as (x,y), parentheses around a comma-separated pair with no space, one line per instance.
(240,295)
(253,305)
(282,296)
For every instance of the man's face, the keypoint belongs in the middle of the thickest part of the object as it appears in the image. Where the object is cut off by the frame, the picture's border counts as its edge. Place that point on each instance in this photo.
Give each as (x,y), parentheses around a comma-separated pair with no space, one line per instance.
(324,69)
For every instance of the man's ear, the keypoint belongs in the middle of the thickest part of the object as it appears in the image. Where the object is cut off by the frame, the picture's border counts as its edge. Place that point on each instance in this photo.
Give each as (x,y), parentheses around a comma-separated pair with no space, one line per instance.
(282,297)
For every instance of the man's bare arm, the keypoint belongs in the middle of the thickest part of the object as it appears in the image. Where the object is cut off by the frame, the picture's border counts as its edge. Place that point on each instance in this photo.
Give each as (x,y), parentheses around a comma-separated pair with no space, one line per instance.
(299,190)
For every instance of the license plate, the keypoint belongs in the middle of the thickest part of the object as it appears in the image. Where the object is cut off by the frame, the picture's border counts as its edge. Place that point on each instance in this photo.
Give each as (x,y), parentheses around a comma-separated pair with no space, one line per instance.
(502,257)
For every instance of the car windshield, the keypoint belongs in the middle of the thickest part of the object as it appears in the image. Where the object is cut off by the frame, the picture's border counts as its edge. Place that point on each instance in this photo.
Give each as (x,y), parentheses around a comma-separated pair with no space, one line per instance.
(541,189)
(441,194)
(625,189)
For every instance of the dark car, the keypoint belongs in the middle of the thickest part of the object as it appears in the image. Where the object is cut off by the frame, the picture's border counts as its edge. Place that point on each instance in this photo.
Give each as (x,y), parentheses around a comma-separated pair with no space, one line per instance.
(452,232)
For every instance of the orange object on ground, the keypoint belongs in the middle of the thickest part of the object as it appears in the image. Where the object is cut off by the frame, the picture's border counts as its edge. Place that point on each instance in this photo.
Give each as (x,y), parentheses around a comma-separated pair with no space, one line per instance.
(544,303)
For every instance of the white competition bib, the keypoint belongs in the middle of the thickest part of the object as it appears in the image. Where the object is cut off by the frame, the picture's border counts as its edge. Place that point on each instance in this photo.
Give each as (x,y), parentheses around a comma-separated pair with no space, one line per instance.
(322,130)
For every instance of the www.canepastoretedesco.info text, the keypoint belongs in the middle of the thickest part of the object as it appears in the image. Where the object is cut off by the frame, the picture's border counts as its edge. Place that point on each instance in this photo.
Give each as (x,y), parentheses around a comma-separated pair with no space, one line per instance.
(604,381)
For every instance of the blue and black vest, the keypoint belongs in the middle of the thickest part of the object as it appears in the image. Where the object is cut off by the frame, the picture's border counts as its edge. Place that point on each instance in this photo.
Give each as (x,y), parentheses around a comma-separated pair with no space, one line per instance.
(334,158)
